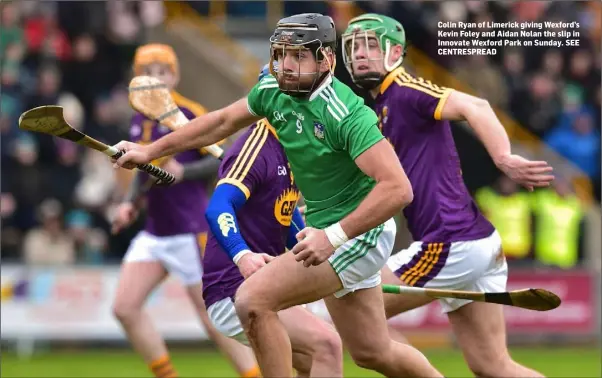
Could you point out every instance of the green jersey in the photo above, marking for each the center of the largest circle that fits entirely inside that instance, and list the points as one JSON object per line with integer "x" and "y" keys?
{"x": 322, "y": 136}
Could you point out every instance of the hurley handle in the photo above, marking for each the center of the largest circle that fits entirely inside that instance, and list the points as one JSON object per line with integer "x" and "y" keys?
{"x": 164, "y": 178}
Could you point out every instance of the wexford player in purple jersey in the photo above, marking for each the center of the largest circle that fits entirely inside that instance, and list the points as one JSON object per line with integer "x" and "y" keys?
{"x": 253, "y": 218}
{"x": 352, "y": 183}
{"x": 455, "y": 246}
{"x": 175, "y": 233}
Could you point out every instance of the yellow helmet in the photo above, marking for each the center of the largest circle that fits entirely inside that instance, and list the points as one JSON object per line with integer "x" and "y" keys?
{"x": 155, "y": 53}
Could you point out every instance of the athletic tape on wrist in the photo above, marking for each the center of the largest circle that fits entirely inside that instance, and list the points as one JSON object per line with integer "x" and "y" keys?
{"x": 239, "y": 255}
{"x": 336, "y": 235}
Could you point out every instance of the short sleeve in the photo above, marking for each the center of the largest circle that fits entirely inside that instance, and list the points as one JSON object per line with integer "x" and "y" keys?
{"x": 257, "y": 98}
{"x": 246, "y": 169}
{"x": 358, "y": 132}
{"x": 426, "y": 98}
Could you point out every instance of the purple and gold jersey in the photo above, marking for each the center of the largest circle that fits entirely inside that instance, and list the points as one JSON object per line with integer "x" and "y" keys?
{"x": 257, "y": 165}
{"x": 180, "y": 208}
{"x": 409, "y": 111}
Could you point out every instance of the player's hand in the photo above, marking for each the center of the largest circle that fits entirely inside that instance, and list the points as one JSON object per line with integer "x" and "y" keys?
{"x": 175, "y": 168}
{"x": 313, "y": 247}
{"x": 252, "y": 262}
{"x": 125, "y": 215}
{"x": 134, "y": 154}
{"x": 530, "y": 174}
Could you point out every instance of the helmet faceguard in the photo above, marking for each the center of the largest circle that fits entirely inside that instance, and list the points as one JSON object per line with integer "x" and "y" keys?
{"x": 311, "y": 32}
{"x": 384, "y": 31}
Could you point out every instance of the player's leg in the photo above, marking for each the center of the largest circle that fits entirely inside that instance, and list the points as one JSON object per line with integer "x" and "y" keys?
{"x": 258, "y": 299}
{"x": 184, "y": 262}
{"x": 480, "y": 328}
{"x": 314, "y": 342}
{"x": 360, "y": 320}
{"x": 314, "y": 337}
{"x": 396, "y": 304}
{"x": 481, "y": 334}
{"x": 140, "y": 274}
{"x": 239, "y": 355}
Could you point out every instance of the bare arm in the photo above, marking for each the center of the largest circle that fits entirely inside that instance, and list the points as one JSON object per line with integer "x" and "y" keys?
{"x": 482, "y": 119}
{"x": 392, "y": 192}
{"x": 205, "y": 130}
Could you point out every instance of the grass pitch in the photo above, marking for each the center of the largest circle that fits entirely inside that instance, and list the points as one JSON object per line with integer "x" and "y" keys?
{"x": 552, "y": 362}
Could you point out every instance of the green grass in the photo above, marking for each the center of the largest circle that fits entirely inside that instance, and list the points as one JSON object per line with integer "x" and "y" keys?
{"x": 561, "y": 362}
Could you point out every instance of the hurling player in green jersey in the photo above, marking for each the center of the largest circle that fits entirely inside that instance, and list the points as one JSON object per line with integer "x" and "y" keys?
{"x": 352, "y": 183}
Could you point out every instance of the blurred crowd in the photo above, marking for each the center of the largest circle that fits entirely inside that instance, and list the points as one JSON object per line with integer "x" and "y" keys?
{"x": 57, "y": 198}
{"x": 553, "y": 92}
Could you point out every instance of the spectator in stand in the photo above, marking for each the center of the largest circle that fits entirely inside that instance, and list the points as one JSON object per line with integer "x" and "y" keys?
{"x": 558, "y": 225}
{"x": 509, "y": 210}
{"x": 489, "y": 83}
{"x": 11, "y": 30}
{"x": 90, "y": 243}
{"x": 49, "y": 244}
{"x": 514, "y": 72}
{"x": 25, "y": 178}
{"x": 45, "y": 39}
{"x": 580, "y": 144}
{"x": 537, "y": 108}
{"x": 553, "y": 64}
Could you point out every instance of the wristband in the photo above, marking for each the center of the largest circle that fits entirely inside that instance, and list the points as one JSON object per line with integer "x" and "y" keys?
{"x": 239, "y": 255}
{"x": 336, "y": 235}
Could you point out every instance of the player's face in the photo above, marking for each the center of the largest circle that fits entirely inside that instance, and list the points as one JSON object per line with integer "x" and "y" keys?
{"x": 298, "y": 69}
{"x": 162, "y": 72}
{"x": 366, "y": 55}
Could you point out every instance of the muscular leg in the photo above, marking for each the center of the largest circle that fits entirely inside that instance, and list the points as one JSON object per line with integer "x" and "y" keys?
{"x": 136, "y": 281}
{"x": 481, "y": 334}
{"x": 258, "y": 300}
{"x": 239, "y": 355}
{"x": 361, "y": 322}
{"x": 314, "y": 337}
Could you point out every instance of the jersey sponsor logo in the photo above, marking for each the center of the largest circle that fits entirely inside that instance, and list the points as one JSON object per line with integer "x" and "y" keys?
{"x": 279, "y": 116}
{"x": 318, "y": 130}
{"x": 226, "y": 223}
{"x": 285, "y": 205}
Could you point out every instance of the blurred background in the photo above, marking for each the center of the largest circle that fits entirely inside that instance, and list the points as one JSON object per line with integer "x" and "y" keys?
{"x": 60, "y": 263}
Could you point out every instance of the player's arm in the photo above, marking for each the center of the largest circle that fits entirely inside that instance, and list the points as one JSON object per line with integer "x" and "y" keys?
{"x": 204, "y": 130}
{"x": 391, "y": 193}
{"x": 200, "y": 170}
{"x": 480, "y": 116}
{"x": 226, "y": 200}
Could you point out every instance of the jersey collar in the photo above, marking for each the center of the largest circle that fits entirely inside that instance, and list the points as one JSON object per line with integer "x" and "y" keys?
{"x": 322, "y": 87}
{"x": 390, "y": 78}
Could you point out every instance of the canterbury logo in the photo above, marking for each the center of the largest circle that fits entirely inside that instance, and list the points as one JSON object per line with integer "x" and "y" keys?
{"x": 226, "y": 223}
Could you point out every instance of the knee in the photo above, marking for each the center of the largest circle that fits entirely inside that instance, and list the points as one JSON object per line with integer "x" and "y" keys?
{"x": 368, "y": 357}
{"x": 489, "y": 366}
{"x": 125, "y": 312}
{"x": 327, "y": 345}
{"x": 249, "y": 303}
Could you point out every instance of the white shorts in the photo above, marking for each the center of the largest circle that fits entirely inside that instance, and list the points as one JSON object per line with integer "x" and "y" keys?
{"x": 358, "y": 262}
{"x": 476, "y": 265}
{"x": 179, "y": 254}
{"x": 222, "y": 315}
